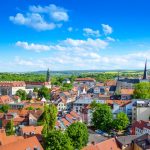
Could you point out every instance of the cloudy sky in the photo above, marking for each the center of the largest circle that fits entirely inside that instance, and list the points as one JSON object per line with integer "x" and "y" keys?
{"x": 74, "y": 34}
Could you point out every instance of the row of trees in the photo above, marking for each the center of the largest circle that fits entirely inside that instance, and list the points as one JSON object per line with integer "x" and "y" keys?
{"x": 75, "y": 136}
{"x": 103, "y": 118}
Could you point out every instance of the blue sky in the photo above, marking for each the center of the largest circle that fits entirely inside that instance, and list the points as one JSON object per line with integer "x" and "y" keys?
{"x": 74, "y": 34}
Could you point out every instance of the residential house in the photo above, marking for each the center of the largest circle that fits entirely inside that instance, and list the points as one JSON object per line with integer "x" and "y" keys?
{"x": 141, "y": 110}
{"x": 140, "y": 127}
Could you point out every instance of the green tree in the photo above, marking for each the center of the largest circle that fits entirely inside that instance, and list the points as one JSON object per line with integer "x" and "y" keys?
{"x": 10, "y": 128}
{"x": 49, "y": 118}
{"x": 4, "y": 108}
{"x": 57, "y": 140}
{"x": 142, "y": 90}
{"x": 44, "y": 92}
{"x": 22, "y": 94}
{"x": 35, "y": 89}
{"x": 121, "y": 121}
{"x": 102, "y": 117}
{"x": 78, "y": 133}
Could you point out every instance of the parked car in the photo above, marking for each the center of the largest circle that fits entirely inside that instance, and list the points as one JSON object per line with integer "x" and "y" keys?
{"x": 99, "y": 132}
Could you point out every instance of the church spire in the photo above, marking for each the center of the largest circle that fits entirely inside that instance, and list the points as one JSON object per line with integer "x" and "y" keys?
{"x": 145, "y": 71}
{"x": 48, "y": 76}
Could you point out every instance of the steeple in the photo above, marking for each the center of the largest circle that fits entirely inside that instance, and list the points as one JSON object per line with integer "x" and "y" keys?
{"x": 48, "y": 75}
{"x": 145, "y": 71}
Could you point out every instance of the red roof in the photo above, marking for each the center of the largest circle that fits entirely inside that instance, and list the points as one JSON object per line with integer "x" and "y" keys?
{"x": 12, "y": 83}
{"x": 23, "y": 144}
{"x": 65, "y": 122}
{"x": 85, "y": 79}
{"x": 141, "y": 124}
{"x": 109, "y": 144}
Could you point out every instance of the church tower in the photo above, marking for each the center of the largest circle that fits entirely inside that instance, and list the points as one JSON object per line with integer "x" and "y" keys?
{"x": 48, "y": 76}
{"x": 145, "y": 71}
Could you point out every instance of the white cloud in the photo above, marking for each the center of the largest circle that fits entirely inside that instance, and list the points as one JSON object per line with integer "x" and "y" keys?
{"x": 110, "y": 39}
{"x": 107, "y": 29}
{"x": 90, "y": 32}
{"x": 32, "y": 46}
{"x": 57, "y": 13}
{"x": 35, "y": 18}
{"x": 67, "y": 45}
{"x": 70, "y": 29}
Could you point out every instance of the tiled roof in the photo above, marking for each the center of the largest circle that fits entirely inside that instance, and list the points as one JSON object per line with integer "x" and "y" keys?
{"x": 109, "y": 144}
{"x": 24, "y": 144}
{"x": 141, "y": 124}
{"x": 29, "y": 129}
{"x": 74, "y": 114}
{"x": 85, "y": 79}
{"x": 8, "y": 139}
{"x": 127, "y": 91}
{"x": 119, "y": 102}
{"x": 110, "y": 82}
{"x": 65, "y": 122}
{"x": 12, "y": 83}
{"x": 5, "y": 99}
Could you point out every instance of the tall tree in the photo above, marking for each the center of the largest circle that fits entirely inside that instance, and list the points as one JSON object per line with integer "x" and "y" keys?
{"x": 44, "y": 92}
{"x": 57, "y": 140}
{"x": 78, "y": 133}
{"x": 142, "y": 90}
{"x": 22, "y": 94}
{"x": 102, "y": 117}
{"x": 10, "y": 128}
{"x": 121, "y": 121}
{"x": 49, "y": 118}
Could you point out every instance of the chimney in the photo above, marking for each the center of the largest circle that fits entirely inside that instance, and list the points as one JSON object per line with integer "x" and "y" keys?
{"x": 93, "y": 143}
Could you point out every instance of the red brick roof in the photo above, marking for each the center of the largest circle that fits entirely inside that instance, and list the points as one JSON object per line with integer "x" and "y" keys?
{"x": 109, "y": 144}
{"x": 65, "y": 122}
{"x": 119, "y": 102}
{"x": 5, "y": 99}
{"x": 110, "y": 82}
{"x": 127, "y": 91}
{"x": 141, "y": 124}
{"x": 23, "y": 144}
{"x": 12, "y": 83}
{"x": 35, "y": 129}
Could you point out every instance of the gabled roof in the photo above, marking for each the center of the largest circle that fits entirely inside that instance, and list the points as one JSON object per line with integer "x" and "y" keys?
{"x": 35, "y": 129}
{"x": 23, "y": 144}
{"x": 109, "y": 144}
{"x": 127, "y": 91}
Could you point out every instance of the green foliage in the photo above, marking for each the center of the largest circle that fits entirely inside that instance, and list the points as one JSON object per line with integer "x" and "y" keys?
{"x": 102, "y": 117}
{"x": 22, "y": 94}
{"x": 121, "y": 121}
{"x": 66, "y": 87}
{"x": 78, "y": 134}
{"x": 35, "y": 89}
{"x": 30, "y": 108}
{"x": 57, "y": 140}
{"x": 48, "y": 118}
{"x": 4, "y": 108}
{"x": 10, "y": 128}
{"x": 142, "y": 90}
{"x": 44, "y": 92}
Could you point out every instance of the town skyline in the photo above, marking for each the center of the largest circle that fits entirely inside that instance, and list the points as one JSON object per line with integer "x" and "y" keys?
{"x": 65, "y": 35}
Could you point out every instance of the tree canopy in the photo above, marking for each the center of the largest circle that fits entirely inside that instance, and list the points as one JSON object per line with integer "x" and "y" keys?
{"x": 78, "y": 133}
{"x": 121, "y": 121}
{"x": 4, "y": 108}
{"x": 22, "y": 94}
{"x": 44, "y": 92}
{"x": 48, "y": 118}
{"x": 57, "y": 140}
{"x": 142, "y": 90}
{"x": 102, "y": 116}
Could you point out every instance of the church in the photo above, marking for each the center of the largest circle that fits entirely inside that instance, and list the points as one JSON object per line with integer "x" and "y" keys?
{"x": 11, "y": 87}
